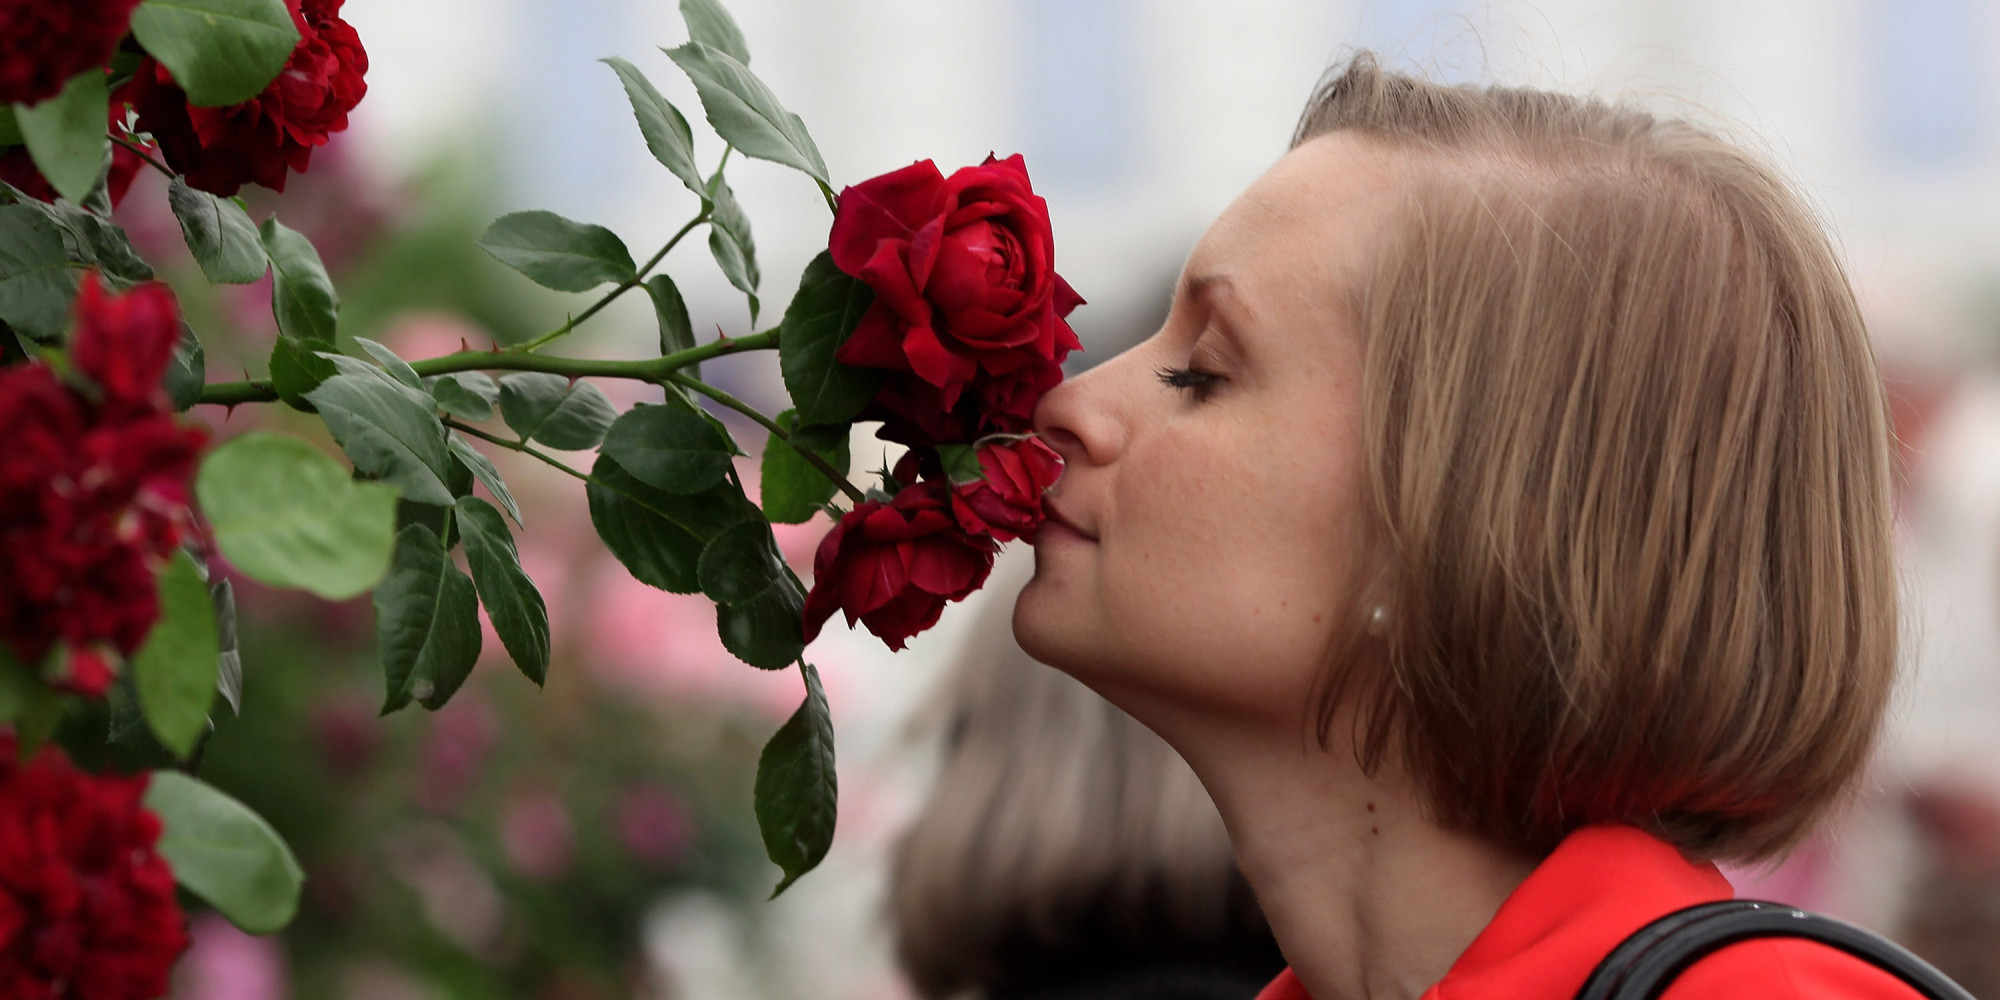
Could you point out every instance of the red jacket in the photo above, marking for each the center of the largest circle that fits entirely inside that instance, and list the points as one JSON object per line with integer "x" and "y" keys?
{"x": 1601, "y": 884}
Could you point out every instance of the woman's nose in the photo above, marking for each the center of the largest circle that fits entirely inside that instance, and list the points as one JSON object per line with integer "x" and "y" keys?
{"x": 1078, "y": 419}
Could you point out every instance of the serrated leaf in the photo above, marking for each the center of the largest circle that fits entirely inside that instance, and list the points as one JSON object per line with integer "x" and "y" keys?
{"x": 765, "y": 630}
{"x": 512, "y": 603}
{"x": 229, "y": 658}
{"x": 667, "y": 133}
{"x": 65, "y": 134}
{"x": 741, "y": 562}
{"x": 397, "y": 368}
{"x": 174, "y": 670}
{"x": 221, "y": 52}
{"x": 289, "y": 516}
{"x": 797, "y": 792}
{"x": 36, "y": 283}
{"x": 302, "y": 296}
{"x": 730, "y": 244}
{"x": 631, "y": 518}
{"x": 668, "y": 448}
{"x": 483, "y": 470}
{"x": 466, "y": 395}
{"x": 426, "y": 622}
{"x": 389, "y": 432}
{"x": 793, "y": 489}
{"x": 711, "y": 25}
{"x": 186, "y": 372}
{"x": 745, "y": 113}
{"x": 297, "y": 369}
{"x": 224, "y": 853}
{"x": 88, "y": 238}
{"x": 676, "y": 330}
{"x": 565, "y": 415}
{"x": 557, "y": 253}
{"x": 219, "y": 234}
{"x": 961, "y": 463}
{"x": 827, "y": 307}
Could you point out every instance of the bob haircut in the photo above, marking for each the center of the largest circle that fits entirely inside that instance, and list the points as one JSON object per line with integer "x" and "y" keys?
{"x": 1630, "y": 467}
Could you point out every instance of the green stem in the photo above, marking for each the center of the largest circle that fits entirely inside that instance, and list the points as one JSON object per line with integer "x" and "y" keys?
{"x": 647, "y": 370}
{"x": 826, "y": 469}
{"x": 520, "y": 446}
{"x": 141, "y": 151}
{"x": 622, "y": 287}
{"x": 827, "y": 193}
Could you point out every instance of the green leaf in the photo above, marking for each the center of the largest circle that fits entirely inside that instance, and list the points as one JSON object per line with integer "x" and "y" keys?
{"x": 667, "y": 133}
{"x": 65, "y": 134}
{"x": 765, "y": 631}
{"x": 745, "y": 113}
{"x": 676, "y": 330}
{"x": 631, "y": 518}
{"x": 389, "y": 432}
{"x": 427, "y": 622}
{"x": 220, "y": 235}
{"x": 88, "y": 238}
{"x": 36, "y": 283}
{"x": 289, "y": 516}
{"x": 557, "y": 253}
{"x": 797, "y": 792}
{"x": 729, "y": 241}
{"x": 483, "y": 470}
{"x": 511, "y": 600}
{"x": 10, "y": 128}
{"x": 828, "y": 306}
{"x": 175, "y": 669}
{"x": 225, "y": 854}
{"x": 220, "y": 52}
{"x": 668, "y": 448}
{"x": 302, "y": 296}
{"x": 793, "y": 489}
{"x": 229, "y": 658}
{"x": 31, "y": 705}
{"x": 961, "y": 463}
{"x": 467, "y": 395}
{"x": 186, "y": 372}
{"x": 563, "y": 414}
{"x": 397, "y": 368}
{"x": 297, "y": 369}
{"x": 709, "y": 24}
{"x": 741, "y": 562}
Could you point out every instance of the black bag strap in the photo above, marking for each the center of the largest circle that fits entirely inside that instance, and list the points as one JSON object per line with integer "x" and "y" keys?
{"x": 1645, "y": 964}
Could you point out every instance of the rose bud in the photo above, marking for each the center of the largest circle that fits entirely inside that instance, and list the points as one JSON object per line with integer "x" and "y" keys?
{"x": 894, "y": 565}
{"x": 1006, "y": 502}
{"x": 124, "y": 342}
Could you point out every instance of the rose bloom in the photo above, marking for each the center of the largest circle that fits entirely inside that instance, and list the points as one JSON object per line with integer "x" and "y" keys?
{"x": 221, "y": 149}
{"x": 1007, "y": 502}
{"x": 965, "y": 289}
{"x": 894, "y": 565}
{"x": 43, "y": 43}
{"x": 93, "y": 491}
{"x": 87, "y": 905}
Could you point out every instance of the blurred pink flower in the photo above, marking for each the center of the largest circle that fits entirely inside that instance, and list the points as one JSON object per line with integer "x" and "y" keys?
{"x": 224, "y": 963}
{"x": 346, "y": 732}
{"x": 461, "y": 736}
{"x": 654, "y": 825}
{"x": 666, "y": 644}
{"x": 429, "y": 334}
{"x": 536, "y": 833}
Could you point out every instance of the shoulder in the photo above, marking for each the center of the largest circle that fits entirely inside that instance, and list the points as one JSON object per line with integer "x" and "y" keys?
{"x": 1785, "y": 969}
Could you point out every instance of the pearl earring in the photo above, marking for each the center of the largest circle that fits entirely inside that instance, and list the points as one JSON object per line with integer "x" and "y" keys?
{"x": 1378, "y": 620}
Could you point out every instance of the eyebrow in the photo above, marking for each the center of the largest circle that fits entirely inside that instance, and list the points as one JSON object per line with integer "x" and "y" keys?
{"x": 1202, "y": 289}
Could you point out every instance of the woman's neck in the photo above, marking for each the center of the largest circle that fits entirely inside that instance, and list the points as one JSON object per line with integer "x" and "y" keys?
{"x": 1368, "y": 898}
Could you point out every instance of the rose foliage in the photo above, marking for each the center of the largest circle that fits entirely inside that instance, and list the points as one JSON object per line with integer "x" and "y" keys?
{"x": 935, "y": 310}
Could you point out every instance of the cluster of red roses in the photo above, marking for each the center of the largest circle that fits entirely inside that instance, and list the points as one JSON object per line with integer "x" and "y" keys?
{"x": 93, "y": 487}
{"x": 968, "y": 321}
{"x": 45, "y": 42}
{"x": 88, "y": 908}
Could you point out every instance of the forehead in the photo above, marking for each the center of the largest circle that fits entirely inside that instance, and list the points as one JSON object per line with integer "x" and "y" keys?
{"x": 1304, "y": 230}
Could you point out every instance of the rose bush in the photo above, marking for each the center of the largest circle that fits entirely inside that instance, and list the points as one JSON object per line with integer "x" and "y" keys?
{"x": 87, "y": 906}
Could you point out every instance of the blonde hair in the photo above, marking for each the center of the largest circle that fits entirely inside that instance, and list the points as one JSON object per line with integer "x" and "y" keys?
{"x": 1057, "y": 822}
{"x": 1629, "y": 458}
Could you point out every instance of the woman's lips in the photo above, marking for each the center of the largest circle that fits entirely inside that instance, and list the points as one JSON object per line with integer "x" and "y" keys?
{"x": 1054, "y": 518}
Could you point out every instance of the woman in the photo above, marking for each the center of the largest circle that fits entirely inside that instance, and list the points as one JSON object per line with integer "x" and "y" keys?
{"x": 1066, "y": 852}
{"x": 1500, "y": 527}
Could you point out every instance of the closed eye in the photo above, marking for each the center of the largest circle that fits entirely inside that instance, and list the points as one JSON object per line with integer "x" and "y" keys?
{"x": 1195, "y": 381}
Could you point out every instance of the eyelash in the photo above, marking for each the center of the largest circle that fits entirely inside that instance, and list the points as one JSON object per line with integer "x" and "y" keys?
{"x": 1198, "y": 382}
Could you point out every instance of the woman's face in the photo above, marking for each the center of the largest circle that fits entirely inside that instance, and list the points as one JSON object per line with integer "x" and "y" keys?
{"x": 1213, "y": 525}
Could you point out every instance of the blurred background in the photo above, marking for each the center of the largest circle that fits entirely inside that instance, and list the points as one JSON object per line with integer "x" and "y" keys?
{"x": 595, "y": 839}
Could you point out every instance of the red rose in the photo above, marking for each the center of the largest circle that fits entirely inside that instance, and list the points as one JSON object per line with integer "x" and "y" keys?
{"x": 893, "y": 566}
{"x": 45, "y": 42}
{"x": 221, "y": 149}
{"x": 963, "y": 273}
{"x": 1007, "y": 503}
{"x": 913, "y": 411}
{"x": 87, "y": 905}
{"x": 93, "y": 491}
